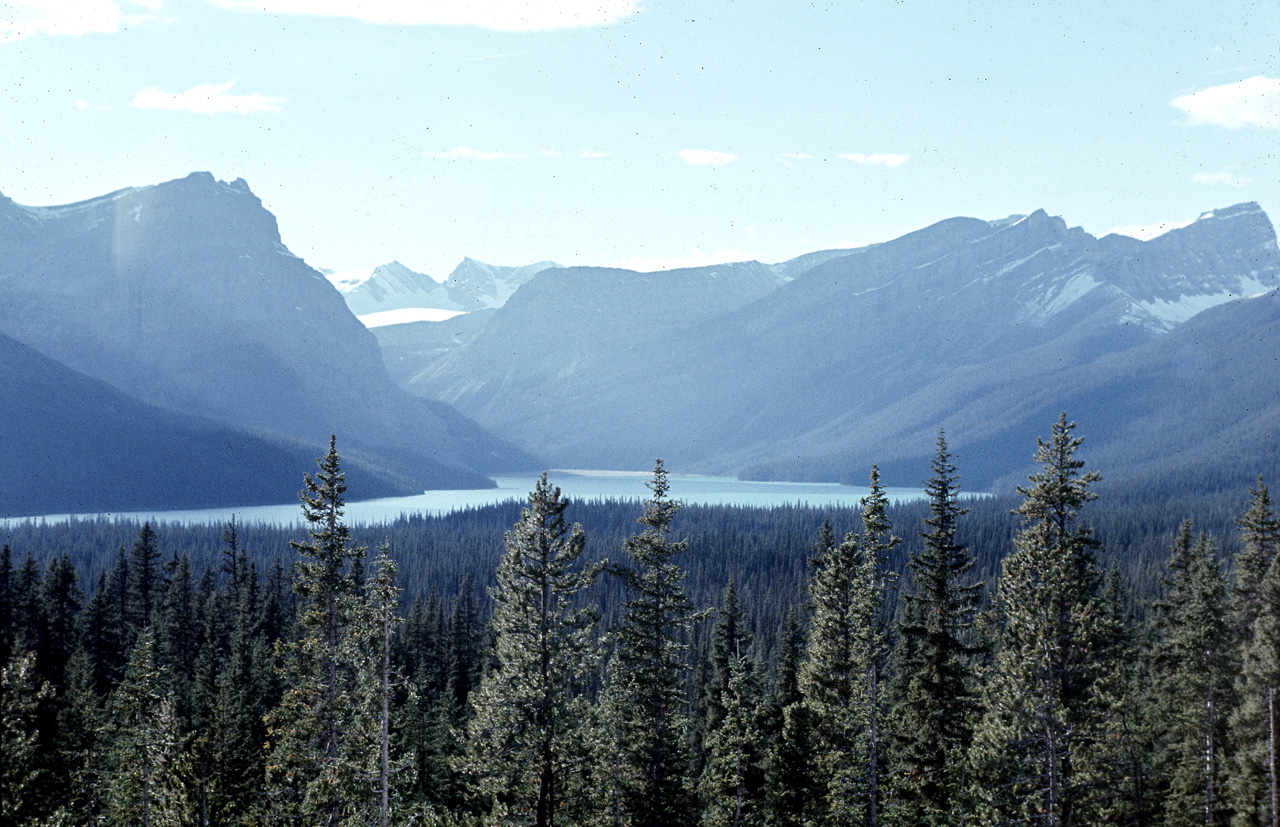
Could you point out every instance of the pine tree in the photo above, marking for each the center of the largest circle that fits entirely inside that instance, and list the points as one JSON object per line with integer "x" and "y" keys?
{"x": 652, "y": 731}
{"x": 840, "y": 677}
{"x": 1037, "y": 700}
{"x": 1116, "y": 769}
{"x": 1255, "y": 723}
{"x": 730, "y": 784}
{"x": 786, "y": 727}
{"x": 1195, "y": 692}
{"x": 730, "y": 640}
{"x": 307, "y": 764}
{"x": 934, "y": 686}
{"x": 1259, "y": 545}
{"x": 21, "y": 692}
{"x": 150, "y": 779}
{"x": 1255, "y": 624}
{"x": 525, "y": 712}
{"x": 145, "y": 580}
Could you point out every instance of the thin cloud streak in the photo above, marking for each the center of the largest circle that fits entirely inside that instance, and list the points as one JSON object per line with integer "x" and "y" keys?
{"x": 467, "y": 153}
{"x": 206, "y": 99}
{"x": 500, "y": 15}
{"x": 1225, "y": 179}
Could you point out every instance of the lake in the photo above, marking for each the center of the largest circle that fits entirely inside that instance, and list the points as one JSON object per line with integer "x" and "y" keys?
{"x": 587, "y": 485}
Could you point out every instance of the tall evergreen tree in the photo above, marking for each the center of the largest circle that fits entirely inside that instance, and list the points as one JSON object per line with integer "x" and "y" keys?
{"x": 934, "y": 688}
{"x": 1195, "y": 693}
{"x": 650, "y": 650}
{"x": 21, "y": 692}
{"x": 308, "y": 763}
{"x": 145, "y": 578}
{"x": 150, "y": 777}
{"x": 1259, "y": 544}
{"x": 730, "y": 785}
{"x": 526, "y": 716}
{"x": 1037, "y": 701}
{"x": 840, "y": 677}
{"x": 1255, "y": 723}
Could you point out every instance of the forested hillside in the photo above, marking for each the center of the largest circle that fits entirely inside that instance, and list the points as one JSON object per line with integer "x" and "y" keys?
{"x": 1081, "y": 653}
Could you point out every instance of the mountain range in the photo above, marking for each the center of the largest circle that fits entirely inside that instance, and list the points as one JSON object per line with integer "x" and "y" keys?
{"x": 163, "y": 348}
{"x": 986, "y": 329}
{"x": 183, "y": 296}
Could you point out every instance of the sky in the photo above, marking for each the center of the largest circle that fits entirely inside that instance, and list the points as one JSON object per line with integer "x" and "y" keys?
{"x": 645, "y": 133}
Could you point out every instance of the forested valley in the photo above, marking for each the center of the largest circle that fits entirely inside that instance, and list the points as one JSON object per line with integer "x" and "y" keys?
{"x": 1077, "y": 654}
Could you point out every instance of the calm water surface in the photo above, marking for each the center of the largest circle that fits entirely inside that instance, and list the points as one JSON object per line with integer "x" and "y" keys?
{"x": 586, "y": 485}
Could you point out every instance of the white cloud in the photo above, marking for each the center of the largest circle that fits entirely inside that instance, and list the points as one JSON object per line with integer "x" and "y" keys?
{"x": 707, "y": 157}
{"x": 502, "y": 15}
{"x": 23, "y": 18}
{"x": 696, "y": 258}
{"x": 1254, "y": 101}
{"x": 206, "y": 99}
{"x": 883, "y": 159}
{"x": 467, "y": 153}
{"x": 1146, "y": 232}
{"x": 790, "y": 158}
{"x": 1225, "y": 179}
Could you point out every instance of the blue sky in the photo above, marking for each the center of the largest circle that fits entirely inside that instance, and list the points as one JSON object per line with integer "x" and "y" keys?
{"x": 645, "y": 132}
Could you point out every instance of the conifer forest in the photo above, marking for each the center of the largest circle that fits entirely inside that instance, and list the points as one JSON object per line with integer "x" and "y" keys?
{"x": 1072, "y": 655}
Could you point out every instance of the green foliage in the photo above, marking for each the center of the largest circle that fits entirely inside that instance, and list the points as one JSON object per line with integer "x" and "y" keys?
{"x": 1197, "y": 662}
{"x": 309, "y": 768}
{"x": 526, "y": 722}
{"x": 934, "y": 683}
{"x": 652, "y": 731}
{"x": 1038, "y": 706}
{"x": 20, "y": 696}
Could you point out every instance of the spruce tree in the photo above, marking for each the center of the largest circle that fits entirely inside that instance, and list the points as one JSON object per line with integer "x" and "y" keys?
{"x": 526, "y": 715}
{"x": 729, "y": 788}
{"x": 145, "y": 580}
{"x": 1037, "y": 700}
{"x": 1195, "y": 691}
{"x": 934, "y": 688}
{"x": 840, "y": 676}
{"x": 1259, "y": 544}
{"x": 1255, "y": 723}
{"x": 149, "y": 783}
{"x": 21, "y": 692}
{"x": 650, "y": 648}
{"x": 308, "y": 765}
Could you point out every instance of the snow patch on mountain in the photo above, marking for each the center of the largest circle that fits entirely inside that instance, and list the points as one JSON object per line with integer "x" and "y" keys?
{"x": 1169, "y": 313}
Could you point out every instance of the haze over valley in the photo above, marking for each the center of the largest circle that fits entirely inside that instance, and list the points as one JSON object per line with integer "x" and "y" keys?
{"x": 166, "y": 340}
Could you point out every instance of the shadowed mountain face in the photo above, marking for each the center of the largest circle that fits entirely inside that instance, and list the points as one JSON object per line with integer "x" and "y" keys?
{"x": 71, "y": 444}
{"x": 182, "y": 295}
{"x": 984, "y": 328}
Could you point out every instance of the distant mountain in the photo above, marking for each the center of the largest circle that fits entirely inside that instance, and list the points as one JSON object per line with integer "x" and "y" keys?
{"x": 183, "y": 296}
{"x": 473, "y": 285}
{"x": 71, "y": 444}
{"x": 390, "y": 287}
{"x": 981, "y": 327}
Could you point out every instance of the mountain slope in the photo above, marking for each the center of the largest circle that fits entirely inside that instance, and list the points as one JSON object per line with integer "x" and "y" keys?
{"x": 71, "y": 444}
{"x": 182, "y": 295}
{"x": 857, "y": 360}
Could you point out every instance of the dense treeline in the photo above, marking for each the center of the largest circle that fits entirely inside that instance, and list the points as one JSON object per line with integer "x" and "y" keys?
{"x": 1049, "y": 658}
